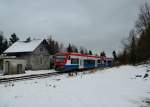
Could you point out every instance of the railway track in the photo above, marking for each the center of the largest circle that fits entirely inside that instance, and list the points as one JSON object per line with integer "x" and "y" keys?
{"x": 28, "y": 77}
{"x": 34, "y": 76}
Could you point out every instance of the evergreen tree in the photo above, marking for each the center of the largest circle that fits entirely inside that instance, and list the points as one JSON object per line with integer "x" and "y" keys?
{"x": 85, "y": 51}
{"x": 114, "y": 55}
{"x": 102, "y": 54}
{"x": 28, "y": 39}
{"x": 69, "y": 48}
{"x": 133, "y": 49}
{"x": 3, "y": 43}
{"x": 61, "y": 47}
{"x": 81, "y": 51}
{"x": 90, "y": 52}
{"x": 56, "y": 47}
{"x": 76, "y": 50}
{"x": 13, "y": 38}
{"x": 53, "y": 46}
{"x": 125, "y": 57}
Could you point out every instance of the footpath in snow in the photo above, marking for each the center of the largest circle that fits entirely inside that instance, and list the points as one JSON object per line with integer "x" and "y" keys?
{"x": 115, "y": 87}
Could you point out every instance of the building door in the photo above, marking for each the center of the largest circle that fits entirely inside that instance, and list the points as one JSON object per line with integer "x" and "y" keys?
{"x": 7, "y": 67}
{"x": 19, "y": 68}
{"x": 1, "y": 64}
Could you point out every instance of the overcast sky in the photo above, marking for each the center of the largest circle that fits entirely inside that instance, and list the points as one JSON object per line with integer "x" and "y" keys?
{"x": 94, "y": 24}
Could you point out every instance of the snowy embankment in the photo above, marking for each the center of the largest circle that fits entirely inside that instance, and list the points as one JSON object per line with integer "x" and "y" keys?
{"x": 114, "y": 87}
{"x": 27, "y": 73}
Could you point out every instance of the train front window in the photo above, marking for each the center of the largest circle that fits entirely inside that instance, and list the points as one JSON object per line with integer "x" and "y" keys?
{"x": 60, "y": 58}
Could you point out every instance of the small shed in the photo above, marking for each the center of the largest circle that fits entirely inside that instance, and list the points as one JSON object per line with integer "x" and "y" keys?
{"x": 12, "y": 65}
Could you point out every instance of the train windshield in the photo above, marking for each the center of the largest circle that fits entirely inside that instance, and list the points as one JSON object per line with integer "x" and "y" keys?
{"x": 60, "y": 58}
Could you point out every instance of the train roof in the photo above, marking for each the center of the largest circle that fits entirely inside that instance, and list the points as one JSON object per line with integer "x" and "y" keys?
{"x": 84, "y": 55}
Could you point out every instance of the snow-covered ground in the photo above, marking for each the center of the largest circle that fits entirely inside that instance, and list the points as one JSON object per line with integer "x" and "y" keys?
{"x": 114, "y": 87}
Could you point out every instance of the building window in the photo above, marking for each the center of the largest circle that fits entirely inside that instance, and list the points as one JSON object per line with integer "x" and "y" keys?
{"x": 41, "y": 49}
{"x": 41, "y": 60}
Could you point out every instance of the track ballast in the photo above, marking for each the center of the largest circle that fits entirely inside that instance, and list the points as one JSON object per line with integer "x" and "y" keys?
{"x": 28, "y": 77}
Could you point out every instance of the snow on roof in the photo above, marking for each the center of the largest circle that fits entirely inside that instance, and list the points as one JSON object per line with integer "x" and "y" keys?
{"x": 22, "y": 46}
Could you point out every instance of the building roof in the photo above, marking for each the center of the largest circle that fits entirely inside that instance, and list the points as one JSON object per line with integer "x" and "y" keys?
{"x": 22, "y": 46}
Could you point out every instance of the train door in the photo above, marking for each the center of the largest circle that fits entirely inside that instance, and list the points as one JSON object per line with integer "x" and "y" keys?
{"x": 96, "y": 64}
{"x": 81, "y": 63}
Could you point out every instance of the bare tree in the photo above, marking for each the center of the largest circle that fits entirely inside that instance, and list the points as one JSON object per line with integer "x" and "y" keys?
{"x": 143, "y": 22}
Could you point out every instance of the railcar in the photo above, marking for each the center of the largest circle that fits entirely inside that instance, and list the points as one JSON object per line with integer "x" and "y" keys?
{"x": 65, "y": 61}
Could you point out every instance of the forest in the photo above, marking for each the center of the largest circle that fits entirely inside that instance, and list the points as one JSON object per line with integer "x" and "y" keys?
{"x": 137, "y": 45}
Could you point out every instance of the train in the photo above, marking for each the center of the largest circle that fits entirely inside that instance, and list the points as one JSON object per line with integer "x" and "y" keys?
{"x": 66, "y": 61}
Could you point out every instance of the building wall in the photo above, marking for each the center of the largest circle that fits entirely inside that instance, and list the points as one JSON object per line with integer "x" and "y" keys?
{"x": 13, "y": 63}
{"x": 39, "y": 59}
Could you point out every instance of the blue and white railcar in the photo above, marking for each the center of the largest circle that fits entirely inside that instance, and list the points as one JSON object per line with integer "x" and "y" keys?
{"x": 75, "y": 61}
